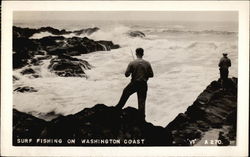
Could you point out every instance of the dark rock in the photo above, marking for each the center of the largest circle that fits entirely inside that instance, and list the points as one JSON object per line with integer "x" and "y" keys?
{"x": 66, "y": 66}
{"x": 25, "y": 89}
{"x": 98, "y": 122}
{"x": 108, "y": 44}
{"x": 180, "y": 119}
{"x": 216, "y": 84}
{"x": 28, "y": 71}
{"x": 23, "y": 32}
{"x": 40, "y": 52}
{"x": 50, "y": 40}
{"x": 224, "y": 140}
{"x": 26, "y": 126}
{"x": 87, "y": 31}
{"x": 35, "y": 61}
{"x": 35, "y": 76}
{"x": 25, "y": 49}
{"x": 53, "y": 31}
{"x": 137, "y": 34}
{"x": 15, "y": 78}
{"x": 77, "y": 46}
{"x": 213, "y": 109}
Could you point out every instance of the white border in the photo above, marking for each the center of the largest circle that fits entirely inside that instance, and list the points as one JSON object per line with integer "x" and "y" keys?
{"x": 6, "y": 80}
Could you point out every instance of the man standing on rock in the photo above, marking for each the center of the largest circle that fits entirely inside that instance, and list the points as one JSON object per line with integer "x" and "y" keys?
{"x": 224, "y": 64}
{"x": 140, "y": 71}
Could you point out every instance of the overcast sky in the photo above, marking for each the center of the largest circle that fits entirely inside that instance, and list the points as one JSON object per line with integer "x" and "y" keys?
{"x": 128, "y": 15}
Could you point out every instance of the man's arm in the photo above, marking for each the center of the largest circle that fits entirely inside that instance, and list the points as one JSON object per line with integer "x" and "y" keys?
{"x": 220, "y": 62}
{"x": 129, "y": 70}
{"x": 229, "y": 62}
{"x": 150, "y": 71}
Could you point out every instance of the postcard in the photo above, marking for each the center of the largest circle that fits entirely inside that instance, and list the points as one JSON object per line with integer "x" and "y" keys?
{"x": 124, "y": 78}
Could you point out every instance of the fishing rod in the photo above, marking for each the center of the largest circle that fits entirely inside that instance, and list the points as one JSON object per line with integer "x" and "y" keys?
{"x": 132, "y": 54}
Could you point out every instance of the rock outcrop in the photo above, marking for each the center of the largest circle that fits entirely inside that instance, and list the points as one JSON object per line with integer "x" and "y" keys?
{"x": 136, "y": 34}
{"x": 214, "y": 109}
{"x": 66, "y": 66}
{"x": 99, "y": 122}
{"x": 25, "y": 89}
{"x": 28, "y": 32}
{"x": 87, "y": 31}
{"x": 24, "y": 48}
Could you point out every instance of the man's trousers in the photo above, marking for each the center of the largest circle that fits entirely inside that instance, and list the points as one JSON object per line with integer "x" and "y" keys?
{"x": 141, "y": 88}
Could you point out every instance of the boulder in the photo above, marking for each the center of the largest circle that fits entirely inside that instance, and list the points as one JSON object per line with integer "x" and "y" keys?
{"x": 108, "y": 45}
{"x": 136, "y": 34}
{"x": 87, "y": 31}
{"x": 28, "y": 71}
{"x": 25, "y": 89}
{"x": 66, "y": 66}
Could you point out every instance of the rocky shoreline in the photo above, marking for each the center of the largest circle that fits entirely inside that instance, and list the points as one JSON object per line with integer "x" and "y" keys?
{"x": 214, "y": 111}
{"x": 26, "y": 49}
{"x": 210, "y": 120}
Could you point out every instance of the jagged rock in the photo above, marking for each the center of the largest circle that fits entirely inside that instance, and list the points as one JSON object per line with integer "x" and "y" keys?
{"x": 224, "y": 140}
{"x": 50, "y": 41}
{"x": 25, "y": 89}
{"x": 28, "y": 32}
{"x": 78, "y": 46}
{"x": 98, "y": 122}
{"x": 87, "y": 31}
{"x": 213, "y": 109}
{"x": 108, "y": 44}
{"x": 28, "y": 71}
{"x": 53, "y": 30}
{"x": 137, "y": 34}
{"x": 25, "y": 49}
{"x": 66, "y": 66}
{"x": 26, "y": 126}
{"x": 15, "y": 78}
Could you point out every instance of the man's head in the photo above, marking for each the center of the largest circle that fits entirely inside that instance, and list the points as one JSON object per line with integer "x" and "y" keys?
{"x": 139, "y": 52}
{"x": 224, "y": 54}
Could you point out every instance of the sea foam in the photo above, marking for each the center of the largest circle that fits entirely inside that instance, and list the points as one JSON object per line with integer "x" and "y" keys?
{"x": 182, "y": 68}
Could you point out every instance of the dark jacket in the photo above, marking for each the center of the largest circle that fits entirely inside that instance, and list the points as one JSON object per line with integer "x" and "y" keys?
{"x": 224, "y": 63}
{"x": 140, "y": 69}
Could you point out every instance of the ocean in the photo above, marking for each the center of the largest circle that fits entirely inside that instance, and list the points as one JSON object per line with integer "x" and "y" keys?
{"x": 184, "y": 57}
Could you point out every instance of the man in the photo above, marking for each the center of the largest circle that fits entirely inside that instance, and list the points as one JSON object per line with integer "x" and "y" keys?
{"x": 224, "y": 64}
{"x": 140, "y": 70}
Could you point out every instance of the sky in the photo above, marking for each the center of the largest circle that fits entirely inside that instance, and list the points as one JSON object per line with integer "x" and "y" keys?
{"x": 128, "y": 15}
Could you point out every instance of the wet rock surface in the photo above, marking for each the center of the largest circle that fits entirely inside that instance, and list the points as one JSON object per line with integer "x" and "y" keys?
{"x": 28, "y": 32}
{"x": 137, "y": 34}
{"x": 213, "y": 109}
{"x": 25, "y": 89}
{"x": 25, "y": 48}
{"x": 217, "y": 112}
{"x": 28, "y": 71}
{"x": 66, "y": 66}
